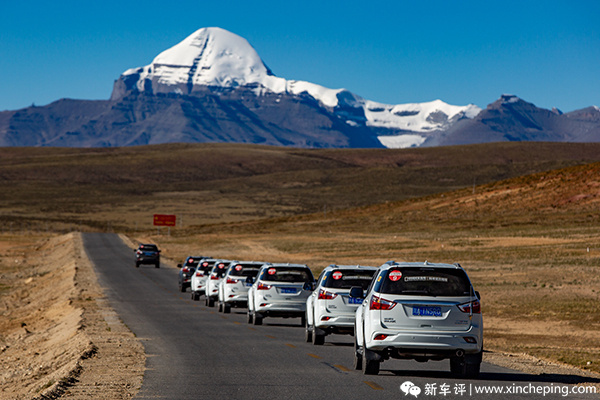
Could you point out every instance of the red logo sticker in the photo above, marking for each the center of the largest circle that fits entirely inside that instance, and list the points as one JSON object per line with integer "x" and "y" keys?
{"x": 271, "y": 271}
{"x": 395, "y": 276}
{"x": 337, "y": 275}
{"x": 238, "y": 268}
{"x": 205, "y": 264}
{"x": 221, "y": 266}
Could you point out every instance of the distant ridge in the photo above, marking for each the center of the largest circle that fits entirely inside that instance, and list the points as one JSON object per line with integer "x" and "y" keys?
{"x": 214, "y": 87}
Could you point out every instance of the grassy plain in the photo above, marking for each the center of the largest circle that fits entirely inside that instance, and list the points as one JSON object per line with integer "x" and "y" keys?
{"x": 522, "y": 218}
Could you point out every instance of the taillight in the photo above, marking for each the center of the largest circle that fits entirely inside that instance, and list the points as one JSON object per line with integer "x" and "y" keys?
{"x": 466, "y": 307}
{"x": 325, "y": 295}
{"x": 229, "y": 280}
{"x": 381, "y": 336}
{"x": 377, "y": 303}
{"x": 262, "y": 286}
{"x": 214, "y": 278}
{"x": 198, "y": 273}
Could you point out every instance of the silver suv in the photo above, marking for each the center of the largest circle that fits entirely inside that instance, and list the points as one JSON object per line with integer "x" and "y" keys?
{"x": 280, "y": 290}
{"x": 419, "y": 311}
{"x": 330, "y": 308}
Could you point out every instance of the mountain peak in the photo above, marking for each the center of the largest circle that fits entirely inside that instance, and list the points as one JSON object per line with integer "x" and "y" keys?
{"x": 208, "y": 57}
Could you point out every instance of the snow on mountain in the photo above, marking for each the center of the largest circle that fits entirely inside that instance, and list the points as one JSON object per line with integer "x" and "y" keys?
{"x": 217, "y": 58}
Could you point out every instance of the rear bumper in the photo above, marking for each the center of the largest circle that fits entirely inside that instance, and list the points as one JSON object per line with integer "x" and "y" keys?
{"x": 430, "y": 344}
{"x": 288, "y": 309}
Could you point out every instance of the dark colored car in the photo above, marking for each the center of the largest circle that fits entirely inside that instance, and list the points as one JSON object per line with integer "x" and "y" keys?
{"x": 147, "y": 254}
{"x": 186, "y": 270}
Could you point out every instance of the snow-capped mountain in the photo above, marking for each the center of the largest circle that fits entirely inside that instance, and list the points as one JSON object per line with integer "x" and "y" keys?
{"x": 214, "y": 87}
{"x": 218, "y": 59}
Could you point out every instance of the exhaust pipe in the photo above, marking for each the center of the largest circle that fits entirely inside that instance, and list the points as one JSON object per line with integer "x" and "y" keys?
{"x": 460, "y": 353}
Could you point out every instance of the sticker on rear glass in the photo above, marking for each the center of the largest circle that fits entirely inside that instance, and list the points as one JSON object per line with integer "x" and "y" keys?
{"x": 205, "y": 264}
{"x": 395, "y": 276}
{"x": 221, "y": 265}
{"x": 271, "y": 271}
{"x": 337, "y": 275}
{"x": 425, "y": 279}
{"x": 238, "y": 268}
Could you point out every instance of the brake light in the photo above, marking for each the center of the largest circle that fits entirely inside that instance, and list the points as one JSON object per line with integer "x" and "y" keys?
{"x": 381, "y": 336}
{"x": 199, "y": 274}
{"x": 214, "y": 278}
{"x": 325, "y": 295}
{"x": 377, "y": 303}
{"x": 262, "y": 286}
{"x": 186, "y": 269}
{"x": 325, "y": 318}
{"x": 229, "y": 280}
{"x": 466, "y": 307}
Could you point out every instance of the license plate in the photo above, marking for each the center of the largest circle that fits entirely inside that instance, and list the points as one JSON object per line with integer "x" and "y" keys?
{"x": 354, "y": 300}
{"x": 248, "y": 284}
{"x": 427, "y": 311}
{"x": 288, "y": 290}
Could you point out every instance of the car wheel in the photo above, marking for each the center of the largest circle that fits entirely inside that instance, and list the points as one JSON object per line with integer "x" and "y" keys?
{"x": 226, "y": 308}
{"x": 357, "y": 365}
{"x": 249, "y": 318}
{"x": 317, "y": 338}
{"x": 211, "y": 302}
{"x": 307, "y": 331}
{"x": 303, "y": 320}
{"x": 468, "y": 366}
{"x": 137, "y": 265}
{"x": 157, "y": 265}
{"x": 182, "y": 288}
{"x": 369, "y": 367}
{"x": 258, "y": 319}
{"x": 219, "y": 306}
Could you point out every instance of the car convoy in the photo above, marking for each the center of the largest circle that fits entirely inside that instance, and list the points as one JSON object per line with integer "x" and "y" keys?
{"x": 403, "y": 310}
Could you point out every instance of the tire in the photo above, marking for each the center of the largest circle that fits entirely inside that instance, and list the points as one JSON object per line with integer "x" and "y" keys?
{"x": 466, "y": 367}
{"x": 369, "y": 367}
{"x": 307, "y": 331}
{"x": 358, "y": 359}
{"x": 182, "y": 288}
{"x": 137, "y": 265}
{"x": 210, "y": 302}
{"x": 226, "y": 308}
{"x": 157, "y": 265}
{"x": 303, "y": 320}
{"x": 258, "y": 319}
{"x": 249, "y": 318}
{"x": 317, "y": 338}
{"x": 206, "y": 301}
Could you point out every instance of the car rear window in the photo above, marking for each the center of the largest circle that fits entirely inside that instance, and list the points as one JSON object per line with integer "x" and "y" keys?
{"x": 192, "y": 262}
{"x": 425, "y": 282}
{"x": 345, "y": 279}
{"x": 219, "y": 269}
{"x": 286, "y": 274}
{"x": 206, "y": 266}
{"x": 244, "y": 270}
{"x": 148, "y": 247}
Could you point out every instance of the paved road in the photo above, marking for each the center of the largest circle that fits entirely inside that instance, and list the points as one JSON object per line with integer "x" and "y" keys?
{"x": 194, "y": 352}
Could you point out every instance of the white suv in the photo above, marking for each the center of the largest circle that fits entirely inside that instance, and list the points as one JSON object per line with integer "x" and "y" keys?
{"x": 280, "y": 290}
{"x": 200, "y": 276}
{"x": 233, "y": 289}
{"x": 419, "y": 311}
{"x": 330, "y": 308}
{"x": 217, "y": 273}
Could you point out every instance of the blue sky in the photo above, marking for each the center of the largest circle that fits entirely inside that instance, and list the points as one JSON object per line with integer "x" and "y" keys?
{"x": 394, "y": 52}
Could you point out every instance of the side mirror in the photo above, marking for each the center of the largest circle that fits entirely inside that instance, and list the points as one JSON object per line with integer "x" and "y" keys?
{"x": 357, "y": 292}
{"x": 179, "y": 265}
{"x": 250, "y": 280}
{"x": 478, "y": 295}
{"x": 308, "y": 286}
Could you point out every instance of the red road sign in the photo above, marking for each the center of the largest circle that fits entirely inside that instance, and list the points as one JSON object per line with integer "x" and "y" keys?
{"x": 164, "y": 220}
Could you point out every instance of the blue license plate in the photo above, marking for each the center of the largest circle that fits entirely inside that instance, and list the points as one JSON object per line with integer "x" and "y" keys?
{"x": 288, "y": 290}
{"x": 354, "y": 300}
{"x": 427, "y": 311}
{"x": 248, "y": 284}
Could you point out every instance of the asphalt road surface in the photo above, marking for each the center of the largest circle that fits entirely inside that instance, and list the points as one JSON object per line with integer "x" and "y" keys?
{"x": 194, "y": 352}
